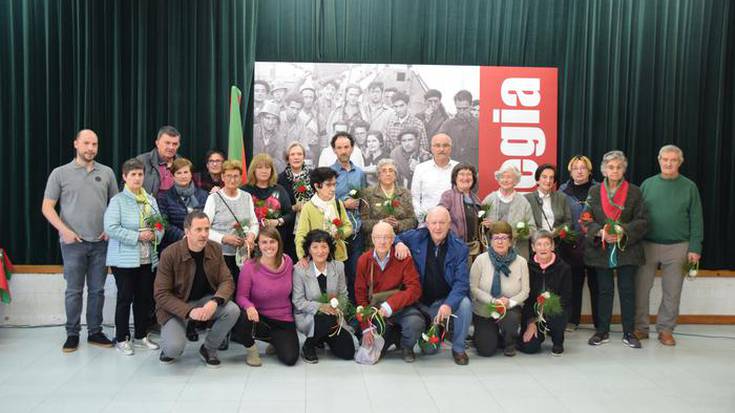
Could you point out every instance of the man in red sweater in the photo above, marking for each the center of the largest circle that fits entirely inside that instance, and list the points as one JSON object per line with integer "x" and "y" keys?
{"x": 384, "y": 272}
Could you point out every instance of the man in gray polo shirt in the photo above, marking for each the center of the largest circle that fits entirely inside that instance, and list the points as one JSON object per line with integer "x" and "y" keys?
{"x": 82, "y": 188}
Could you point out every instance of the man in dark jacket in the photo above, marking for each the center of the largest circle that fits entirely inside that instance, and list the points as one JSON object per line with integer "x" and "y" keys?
{"x": 157, "y": 176}
{"x": 194, "y": 283}
{"x": 464, "y": 130}
{"x": 441, "y": 260}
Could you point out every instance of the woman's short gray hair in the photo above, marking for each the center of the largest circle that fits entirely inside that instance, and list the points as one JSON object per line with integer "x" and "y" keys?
{"x": 542, "y": 233}
{"x": 291, "y": 146}
{"x": 613, "y": 156}
{"x": 386, "y": 162}
{"x": 508, "y": 168}
{"x": 671, "y": 148}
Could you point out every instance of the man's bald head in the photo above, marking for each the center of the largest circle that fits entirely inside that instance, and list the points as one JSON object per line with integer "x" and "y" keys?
{"x": 438, "y": 222}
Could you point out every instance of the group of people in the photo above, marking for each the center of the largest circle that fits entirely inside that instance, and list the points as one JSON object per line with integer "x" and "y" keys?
{"x": 283, "y": 254}
{"x": 378, "y": 118}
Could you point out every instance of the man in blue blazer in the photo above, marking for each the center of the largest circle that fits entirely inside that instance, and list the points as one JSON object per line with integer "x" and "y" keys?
{"x": 441, "y": 260}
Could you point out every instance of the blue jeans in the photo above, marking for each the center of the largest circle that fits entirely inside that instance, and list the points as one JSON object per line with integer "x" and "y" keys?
{"x": 461, "y": 322}
{"x": 84, "y": 261}
{"x": 355, "y": 247}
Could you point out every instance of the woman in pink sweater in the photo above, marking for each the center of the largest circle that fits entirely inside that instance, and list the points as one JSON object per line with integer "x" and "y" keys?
{"x": 264, "y": 295}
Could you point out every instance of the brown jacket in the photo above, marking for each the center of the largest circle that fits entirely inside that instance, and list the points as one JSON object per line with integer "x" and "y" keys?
{"x": 175, "y": 277}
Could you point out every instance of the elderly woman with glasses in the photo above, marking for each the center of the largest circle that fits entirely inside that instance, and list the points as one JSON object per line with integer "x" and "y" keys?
{"x": 617, "y": 223}
{"x": 463, "y": 206}
{"x": 387, "y": 202}
{"x": 507, "y": 205}
{"x": 232, "y": 214}
{"x": 499, "y": 285}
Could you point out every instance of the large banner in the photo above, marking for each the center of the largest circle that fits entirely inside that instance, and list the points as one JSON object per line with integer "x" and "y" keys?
{"x": 494, "y": 115}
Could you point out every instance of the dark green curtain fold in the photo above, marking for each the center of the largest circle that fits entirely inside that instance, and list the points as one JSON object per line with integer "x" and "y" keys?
{"x": 633, "y": 75}
{"x": 121, "y": 68}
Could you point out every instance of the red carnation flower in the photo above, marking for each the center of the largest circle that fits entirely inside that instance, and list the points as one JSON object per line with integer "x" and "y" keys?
{"x": 540, "y": 299}
{"x": 337, "y": 222}
{"x": 434, "y": 340}
{"x": 159, "y": 226}
{"x": 395, "y": 203}
{"x": 500, "y": 310}
{"x": 586, "y": 216}
{"x": 301, "y": 189}
{"x": 563, "y": 233}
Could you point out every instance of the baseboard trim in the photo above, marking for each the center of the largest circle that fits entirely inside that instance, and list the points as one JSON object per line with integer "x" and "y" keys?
{"x": 683, "y": 319}
{"x": 59, "y": 269}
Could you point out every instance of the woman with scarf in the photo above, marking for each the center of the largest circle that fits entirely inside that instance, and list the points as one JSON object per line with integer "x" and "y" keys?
{"x": 131, "y": 254}
{"x": 324, "y": 211}
{"x": 547, "y": 273}
{"x": 175, "y": 204}
{"x": 295, "y": 180}
{"x": 464, "y": 206}
{"x": 498, "y": 287}
{"x": 507, "y": 205}
{"x": 272, "y": 202}
{"x": 616, "y": 225}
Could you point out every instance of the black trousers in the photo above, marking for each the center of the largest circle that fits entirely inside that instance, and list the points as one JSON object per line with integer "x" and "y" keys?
{"x": 556, "y": 326}
{"x": 579, "y": 273}
{"x": 234, "y": 270}
{"x": 134, "y": 287}
{"x": 281, "y": 334}
{"x": 490, "y": 333}
{"x": 341, "y": 344}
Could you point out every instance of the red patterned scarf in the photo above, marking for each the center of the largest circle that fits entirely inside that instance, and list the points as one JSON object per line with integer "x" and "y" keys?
{"x": 612, "y": 203}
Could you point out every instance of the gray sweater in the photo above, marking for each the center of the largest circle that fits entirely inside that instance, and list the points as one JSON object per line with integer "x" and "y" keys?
{"x": 222, "y": 220}
{"x": 520, "y": 210}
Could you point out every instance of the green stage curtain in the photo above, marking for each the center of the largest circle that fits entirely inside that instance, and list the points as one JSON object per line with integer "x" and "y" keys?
{"x": 121, "y": 68}
{"x": 633, "y": 75}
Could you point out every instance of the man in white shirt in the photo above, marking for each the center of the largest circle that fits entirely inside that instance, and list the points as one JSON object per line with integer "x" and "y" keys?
{"x": 433, "y": 177}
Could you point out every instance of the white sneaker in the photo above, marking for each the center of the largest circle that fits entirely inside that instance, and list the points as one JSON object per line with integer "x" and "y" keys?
{"x": 125, "y": 347}
{"x": 146, "y": 343}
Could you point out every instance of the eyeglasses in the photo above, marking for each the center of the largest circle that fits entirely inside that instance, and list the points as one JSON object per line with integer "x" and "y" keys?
{"x": 382, "y": 237}
{"x": 230, "y": 176}
{"x": 499, "y": 238}
{"x": 215, "y": 161}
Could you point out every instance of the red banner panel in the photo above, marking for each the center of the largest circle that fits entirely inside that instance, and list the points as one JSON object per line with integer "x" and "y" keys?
{"x": 517, "y": 122}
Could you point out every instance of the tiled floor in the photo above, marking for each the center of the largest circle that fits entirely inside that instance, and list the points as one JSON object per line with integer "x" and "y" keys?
{"x": 695, "y": 376}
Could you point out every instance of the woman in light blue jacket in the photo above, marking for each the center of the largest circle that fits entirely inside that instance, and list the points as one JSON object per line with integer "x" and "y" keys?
{"x": 130, "y": 222}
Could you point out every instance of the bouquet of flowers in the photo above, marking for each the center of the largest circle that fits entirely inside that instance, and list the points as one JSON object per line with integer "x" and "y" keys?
{"x": 388, "y": 207}
{"x": 269, "y": 208}
{"x": 156, "y": 223}
{"x": 432, "y": 338}
{"x": 547, "y": 304}
{"x": 497, "y": 309}
{"x": 484, "y": 211}
{"x": 338, "y": 228}
{"x": 691, "y": 269}
{"x": 613, "y": 227}
{"x": 522, "y": 229}
{"x": 566, "y": 234}
{"x": 240, "y": 228}
{"x": 585, "y": 219}
{"x": 342, "y": 306}
{"x": 368, "y": 316}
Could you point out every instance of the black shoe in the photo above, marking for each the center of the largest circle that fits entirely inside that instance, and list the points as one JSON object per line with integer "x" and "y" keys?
{"x": 557, "y": 350}
{"x": 308, "y": 353}
{"x": 599, "y": 338}
{"x": 630, "y": 340}
{"x": 225, "y": 343}
{"x": 71, "y": 344}
{"x": 165, "y": 359}
{"x": 210, "y": 359}
{"x": 461, "y": 359}
{"x": 408, "y": 355}
{"x": 191, "y": 332}
{"x": 99, "y": 339}
{"x": 509, "y": 350}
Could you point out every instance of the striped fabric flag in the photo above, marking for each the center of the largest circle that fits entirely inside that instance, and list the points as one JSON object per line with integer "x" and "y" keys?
{"x": 235, "y": 143}
{"x": 6, "y": 272}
